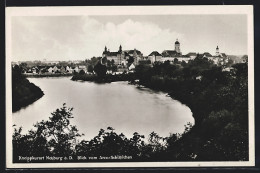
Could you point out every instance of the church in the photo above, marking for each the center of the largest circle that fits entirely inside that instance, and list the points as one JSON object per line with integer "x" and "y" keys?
{"x": 170, "y": 55}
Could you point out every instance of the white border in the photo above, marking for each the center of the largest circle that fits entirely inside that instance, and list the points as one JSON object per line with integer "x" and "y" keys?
{"x": 130, "y": 10}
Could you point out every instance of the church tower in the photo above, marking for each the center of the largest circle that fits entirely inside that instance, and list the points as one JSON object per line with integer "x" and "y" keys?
{"x": 177, "y": 46}
{"x": 119, "y": 55}
{"x": 217, "y": 51}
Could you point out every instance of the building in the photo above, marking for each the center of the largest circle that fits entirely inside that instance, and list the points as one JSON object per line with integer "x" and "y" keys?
{"x": 219, "y": 58}
{"x": 121, "y": 57}
{"x": 192, "y": 55}
{"x": 170, "y": 55}
{"x": 82, "y": 67}
{"x": 154, "y": 56}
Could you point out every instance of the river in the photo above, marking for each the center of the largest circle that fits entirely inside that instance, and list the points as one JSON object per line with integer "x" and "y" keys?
{"x": 124, "y": 107}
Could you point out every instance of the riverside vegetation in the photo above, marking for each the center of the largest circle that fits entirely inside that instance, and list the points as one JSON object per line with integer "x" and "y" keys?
{"x": 23, "y": 91}
{"x": 218, "y": 100}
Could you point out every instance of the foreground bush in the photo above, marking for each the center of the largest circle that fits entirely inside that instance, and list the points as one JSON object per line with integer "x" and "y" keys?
{"x": 57, "y": 137}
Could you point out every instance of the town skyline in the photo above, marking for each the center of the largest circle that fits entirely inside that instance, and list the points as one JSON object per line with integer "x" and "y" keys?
{"x": 64, "y": 38}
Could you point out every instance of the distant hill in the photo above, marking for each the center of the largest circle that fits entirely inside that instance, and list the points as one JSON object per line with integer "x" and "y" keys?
{"x": 237, "y": 58}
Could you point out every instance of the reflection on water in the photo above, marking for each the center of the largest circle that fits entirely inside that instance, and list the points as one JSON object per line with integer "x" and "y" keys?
{"x": 124, "y": 107}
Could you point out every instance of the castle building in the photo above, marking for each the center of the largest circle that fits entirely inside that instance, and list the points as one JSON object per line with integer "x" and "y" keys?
{"x": 121, "y": 56}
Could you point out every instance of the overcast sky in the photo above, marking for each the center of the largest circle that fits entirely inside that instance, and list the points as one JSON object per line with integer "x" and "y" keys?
{"x": 82, "y": 37}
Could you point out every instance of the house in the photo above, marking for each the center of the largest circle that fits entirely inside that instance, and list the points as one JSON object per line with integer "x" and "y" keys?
{"x": 50, "y": 70}
{"x": 206, "y": 55}
{"x": 82, "y": 67}
{"x": 43, "y": 70}
{"x": 68, "y": 69}
{"x": 35, "y": 70}
{"x": 75, "y": 69}
{"x": 192, "y": 55}
{"x": 131, "y": 67}
{"x": 55, "y": 69}
{"x": 62, "y": 69}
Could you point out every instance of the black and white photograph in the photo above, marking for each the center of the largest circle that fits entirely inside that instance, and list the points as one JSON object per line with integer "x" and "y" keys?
{"x": 139, "y": 86}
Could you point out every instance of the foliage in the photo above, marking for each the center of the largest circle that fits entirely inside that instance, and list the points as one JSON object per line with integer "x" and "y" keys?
{"x": 100, "y": 70}
{"x": 219, "y": 102}
{"x": 23, "y": 92}
{"x": 90, "y": 68}
{"x": 81, "y": 72}
{"x": 93, "y": 61}
{"x": 55, "y": 136}
{"x": 130, "y": 60}
{"x": 109, "y": 143}
{"x": 104, "y": 60}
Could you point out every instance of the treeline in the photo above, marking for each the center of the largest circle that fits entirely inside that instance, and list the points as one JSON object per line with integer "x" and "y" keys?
{"x": 218, "y": 100}
{"x": 23, "y": 92}
{"x": 107, "y": 79}
{"x": 101, "y": 75}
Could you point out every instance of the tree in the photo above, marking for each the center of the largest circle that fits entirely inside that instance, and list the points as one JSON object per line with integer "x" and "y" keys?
{"x": 112, "y": 61}
{"x": 81, "y": 72}
{"x": 100, "y": 70}
{"x": 175, "y": 61}
{"x": 183, "y": 64}
{"x": 108, "y": 63}
{"x": 104, "y": 60}
{"x": 130, "y": 60}
{"x": 114, "y": 68}
{"x": 55, "y": 136}
{"x": 90, "y": 68}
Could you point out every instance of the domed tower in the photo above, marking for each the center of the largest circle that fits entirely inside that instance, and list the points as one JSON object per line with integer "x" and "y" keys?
{"x": 217, "y": 51}
{"x": 177, "y": 46}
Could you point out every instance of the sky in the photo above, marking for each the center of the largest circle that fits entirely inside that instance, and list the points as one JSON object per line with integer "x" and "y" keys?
{"x": 65, "y": 38}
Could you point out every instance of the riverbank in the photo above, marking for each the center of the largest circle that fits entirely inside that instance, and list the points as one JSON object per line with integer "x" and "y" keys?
{"x": 106, "y": 79}
{"x": 219, "y": 103}
{"x": 31, "y": 75}
{"x": 24, "y": 93}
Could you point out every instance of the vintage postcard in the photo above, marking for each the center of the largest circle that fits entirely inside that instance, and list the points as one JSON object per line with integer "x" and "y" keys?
{"x": 129, "y": 86}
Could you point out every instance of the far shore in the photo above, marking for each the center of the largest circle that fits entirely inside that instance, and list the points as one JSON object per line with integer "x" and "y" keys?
{"x": 47, "y": 75}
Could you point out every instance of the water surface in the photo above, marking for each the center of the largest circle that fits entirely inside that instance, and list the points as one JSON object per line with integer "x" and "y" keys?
{"x": 124, "y": 107}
